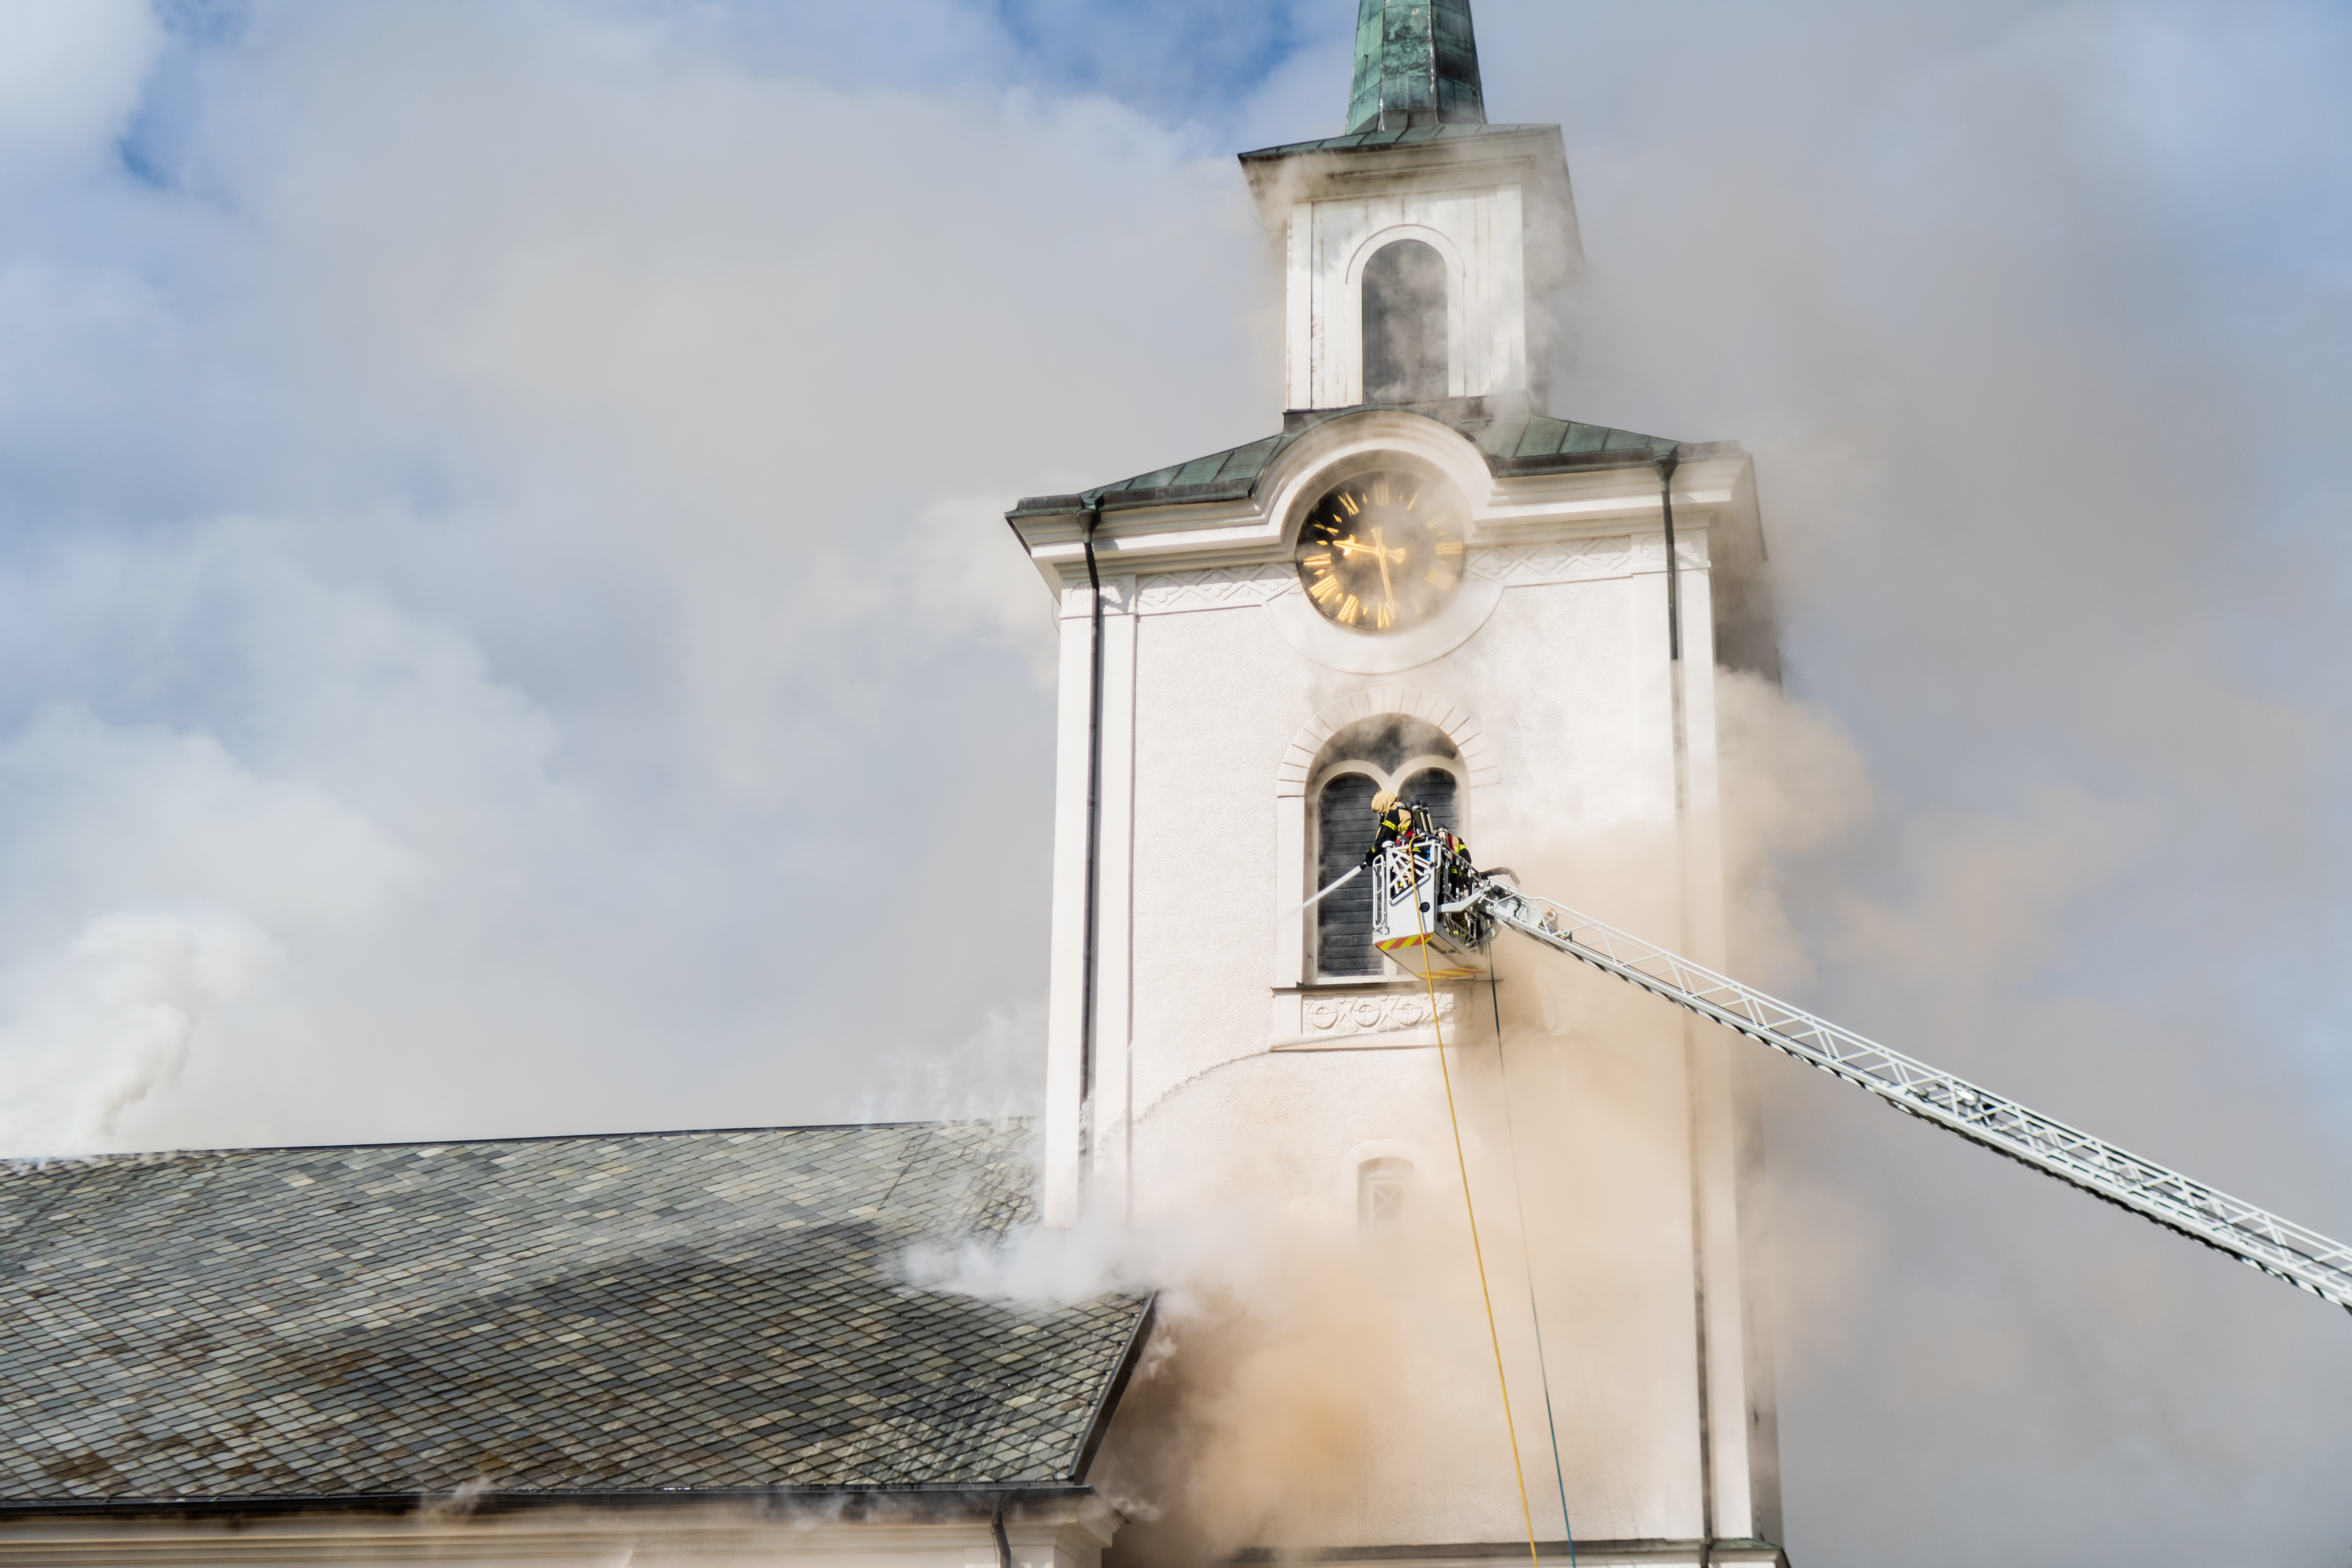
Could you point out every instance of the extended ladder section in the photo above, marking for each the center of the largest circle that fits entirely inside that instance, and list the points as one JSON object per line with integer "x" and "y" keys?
{"x": 2278, "y": 1248}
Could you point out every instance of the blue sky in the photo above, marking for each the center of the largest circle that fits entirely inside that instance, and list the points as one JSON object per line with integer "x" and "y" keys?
{"x": 494, "y": 496}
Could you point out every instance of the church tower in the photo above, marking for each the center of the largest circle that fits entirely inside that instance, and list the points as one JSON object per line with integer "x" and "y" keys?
{"x": 1425, "y": 582}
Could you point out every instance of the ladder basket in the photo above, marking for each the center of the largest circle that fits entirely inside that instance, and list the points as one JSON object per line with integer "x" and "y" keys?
{"x": 1414, "y": 882}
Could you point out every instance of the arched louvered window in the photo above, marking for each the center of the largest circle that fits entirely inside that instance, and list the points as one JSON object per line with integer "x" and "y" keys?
{"x": 1343, "y": 922}
{"x": 1404, "y": 324}
{"x": 1391, "y": 751}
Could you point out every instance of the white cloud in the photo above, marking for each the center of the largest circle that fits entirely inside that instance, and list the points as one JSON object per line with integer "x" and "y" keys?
{"x": 611, "y": 459}
{"x": 70, "y": 74}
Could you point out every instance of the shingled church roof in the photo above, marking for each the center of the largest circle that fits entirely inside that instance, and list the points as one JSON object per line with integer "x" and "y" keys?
{"x": 553, "y": 1318}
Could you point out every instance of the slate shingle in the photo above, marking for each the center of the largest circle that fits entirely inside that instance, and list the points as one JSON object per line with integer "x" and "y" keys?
{"x": 657, "y": 1311}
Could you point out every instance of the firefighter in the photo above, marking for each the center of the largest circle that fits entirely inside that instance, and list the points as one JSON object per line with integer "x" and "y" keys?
{"x": 1401, "y": 822}
{"x": 1407, "y": 821}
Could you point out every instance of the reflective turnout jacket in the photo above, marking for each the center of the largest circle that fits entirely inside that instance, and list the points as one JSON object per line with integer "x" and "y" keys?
{"x": 1411, "y": 819}
{"x": 1405, "y": 819}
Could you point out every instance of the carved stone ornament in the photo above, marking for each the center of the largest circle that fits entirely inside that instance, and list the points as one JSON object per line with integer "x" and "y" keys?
{"x": 1363, "y": 1017}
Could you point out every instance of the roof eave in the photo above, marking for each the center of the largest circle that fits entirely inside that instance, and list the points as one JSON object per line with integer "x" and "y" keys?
{"x": 850, "y": 1502}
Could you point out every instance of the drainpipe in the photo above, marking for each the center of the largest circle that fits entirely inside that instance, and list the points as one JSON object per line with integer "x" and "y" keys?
{"x": 1665, "y": 463}
{"x": 1090, "y": 519}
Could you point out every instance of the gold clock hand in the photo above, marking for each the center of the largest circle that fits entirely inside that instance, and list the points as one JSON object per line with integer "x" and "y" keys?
{"x": 1386, "y": 586}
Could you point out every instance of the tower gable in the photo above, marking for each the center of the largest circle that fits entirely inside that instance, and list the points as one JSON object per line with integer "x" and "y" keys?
{"x": 1492, "y": 201}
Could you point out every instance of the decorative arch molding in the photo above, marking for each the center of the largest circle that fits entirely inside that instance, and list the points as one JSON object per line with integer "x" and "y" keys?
{"x": 1372, "y": 438}
{"x": 1457, "y": 270}
{"x": 1480, "y": 765}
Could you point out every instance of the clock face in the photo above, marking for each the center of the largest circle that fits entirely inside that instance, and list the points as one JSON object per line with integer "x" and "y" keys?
{"x": 1382, "y": 550}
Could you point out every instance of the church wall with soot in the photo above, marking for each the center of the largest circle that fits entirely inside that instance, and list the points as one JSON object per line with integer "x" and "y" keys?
{"x": 1229, "y": 1091}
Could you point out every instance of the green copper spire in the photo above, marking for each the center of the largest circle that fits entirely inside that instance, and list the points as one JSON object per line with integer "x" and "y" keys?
{"x": 1416, "y": 64}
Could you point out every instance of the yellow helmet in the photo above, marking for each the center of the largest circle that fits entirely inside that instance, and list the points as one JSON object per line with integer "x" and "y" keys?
{"x": 1384, "y": 800}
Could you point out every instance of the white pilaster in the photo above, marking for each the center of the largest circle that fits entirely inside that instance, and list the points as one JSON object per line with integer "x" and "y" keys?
{"x": 1654, "y": 690}
{"x": 1715, "y": 1115}
{"x": 1115, "y": 939}
{"x": 1065, "y": 973}
{"x": 1066, "y": 1115}
{"x": 1290, "y": 876}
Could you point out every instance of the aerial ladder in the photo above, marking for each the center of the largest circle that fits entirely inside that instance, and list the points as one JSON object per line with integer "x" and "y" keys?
{"x": 1434, "y": 913}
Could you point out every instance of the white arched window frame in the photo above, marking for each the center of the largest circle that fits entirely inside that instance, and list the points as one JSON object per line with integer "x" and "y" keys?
{"x": 1349, "y": 319}
{"x": 1303, "y": 767}
{"x": 1388, "y": 779}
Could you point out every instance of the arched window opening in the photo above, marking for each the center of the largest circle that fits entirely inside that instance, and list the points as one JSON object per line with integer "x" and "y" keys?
{"x": 1389, "y": 752}
{"x": 1405, "y": 341}
{"x": 1383, "y": 1188}
{"x": 1343, "y": 922}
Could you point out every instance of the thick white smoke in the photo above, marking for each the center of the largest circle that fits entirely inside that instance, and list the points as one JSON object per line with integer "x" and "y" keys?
{"x": 479, "y": 496}
{"x": 87, "y": 1033}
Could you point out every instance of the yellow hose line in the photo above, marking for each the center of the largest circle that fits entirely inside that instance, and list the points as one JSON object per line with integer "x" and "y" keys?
{"x": 1462, "y": 1161}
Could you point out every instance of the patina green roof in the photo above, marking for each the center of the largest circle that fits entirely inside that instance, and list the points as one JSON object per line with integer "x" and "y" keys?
{"x": 1400, "y": 136}
{"x": 1416, "y": 64}
{"x": 1514, "y": 443}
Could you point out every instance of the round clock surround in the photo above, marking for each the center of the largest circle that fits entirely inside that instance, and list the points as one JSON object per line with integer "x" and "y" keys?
{"x": 1382, "y": 551}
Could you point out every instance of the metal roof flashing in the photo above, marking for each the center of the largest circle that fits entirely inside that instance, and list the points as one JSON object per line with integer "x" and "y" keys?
{"x": 1513, "y": 440}
{"x": 1444, "y": 139}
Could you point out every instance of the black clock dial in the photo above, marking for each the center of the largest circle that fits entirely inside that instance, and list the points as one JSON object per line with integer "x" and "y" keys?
{"x": 1382, "y": 550}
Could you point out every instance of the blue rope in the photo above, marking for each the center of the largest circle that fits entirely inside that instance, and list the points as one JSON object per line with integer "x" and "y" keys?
{"x": 1519, "y": 1193}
